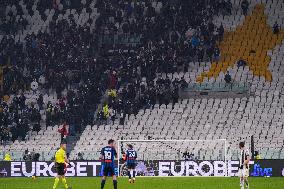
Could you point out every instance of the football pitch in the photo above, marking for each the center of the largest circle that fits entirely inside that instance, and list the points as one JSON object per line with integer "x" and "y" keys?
{"x": 145, "y": 183}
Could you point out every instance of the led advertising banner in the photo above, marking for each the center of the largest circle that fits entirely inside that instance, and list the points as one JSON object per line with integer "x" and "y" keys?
{"x": 258, "y": 168}
{"x": 267, "y": 168}
{"x": 46, "y": 169}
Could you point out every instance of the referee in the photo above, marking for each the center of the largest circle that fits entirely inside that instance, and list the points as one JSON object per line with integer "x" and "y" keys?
{"x": 60, "y": 160}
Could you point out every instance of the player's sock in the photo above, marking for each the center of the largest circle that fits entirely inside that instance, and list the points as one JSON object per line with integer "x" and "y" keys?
{"x": 114, "y": 184}
{"x": 64, "y": 183}
{"x": 247, "y": 183}
{"x": 242, "y": 184}
{"x": 129, "y": 174}
{"x": 55, "y": 182}
{"x": 134, "y": 173}
{"x": 103, "y": 184}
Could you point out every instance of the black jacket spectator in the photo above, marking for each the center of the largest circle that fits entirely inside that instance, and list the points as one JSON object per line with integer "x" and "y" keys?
{"x": 228, "y": 78}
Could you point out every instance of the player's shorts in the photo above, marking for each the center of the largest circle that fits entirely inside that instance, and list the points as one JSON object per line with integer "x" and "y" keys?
{"x": 244, "y": 172}
{"x": 60, "y": 168}
{"x": 131, "y": 165}
{"x": 108, "y": 171}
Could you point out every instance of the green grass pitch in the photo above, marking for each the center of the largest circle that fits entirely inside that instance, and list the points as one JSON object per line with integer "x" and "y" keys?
{"x": 145, "y": 183}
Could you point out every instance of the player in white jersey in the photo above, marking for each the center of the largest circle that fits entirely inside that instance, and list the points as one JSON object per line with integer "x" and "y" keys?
{"x": 244, "y": 165}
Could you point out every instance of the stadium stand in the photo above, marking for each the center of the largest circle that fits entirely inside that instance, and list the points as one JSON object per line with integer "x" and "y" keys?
{"x": 43, "y": 142}
{"x": 74, "y": 72}
{"x": 234, "y": 116}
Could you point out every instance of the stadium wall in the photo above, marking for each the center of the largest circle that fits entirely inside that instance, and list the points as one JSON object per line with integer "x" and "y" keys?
{"x": 258, "y": 168}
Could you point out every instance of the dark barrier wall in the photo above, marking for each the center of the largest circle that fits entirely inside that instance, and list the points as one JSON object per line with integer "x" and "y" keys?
{"x": 258, "y": 168}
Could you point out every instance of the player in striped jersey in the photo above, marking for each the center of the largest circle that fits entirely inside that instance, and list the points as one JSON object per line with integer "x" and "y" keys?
{"x": 244, "y": 165}
{"x": 131, "y": 156}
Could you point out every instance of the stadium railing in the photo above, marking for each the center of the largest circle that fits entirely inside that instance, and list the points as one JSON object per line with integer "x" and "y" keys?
{"x": 219, "y": 87}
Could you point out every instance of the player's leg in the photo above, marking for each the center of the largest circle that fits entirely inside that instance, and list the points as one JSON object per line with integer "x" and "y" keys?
{"x": 56, "y": 181}
{"x": 61, "y": 172}
{"x": 129, "y": 175}
{"x": 103, "y": 182}
{"x": 105, "y": 174}
{"x": 134, "y": 174}
{"x": 64, "y": 181}
{"x": 242, "y": 182}
{"x": 246, "y": 182}
{"x": 114, "y": 179}
{"x": 241, "y": 178}
{"x": 246, "y": 178}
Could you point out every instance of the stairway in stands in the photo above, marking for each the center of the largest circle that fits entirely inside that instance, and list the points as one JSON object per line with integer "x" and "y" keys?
{"x": 71, "y": 142}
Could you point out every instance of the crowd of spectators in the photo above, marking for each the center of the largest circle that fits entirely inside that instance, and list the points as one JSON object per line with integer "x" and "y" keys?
{"x": 171, "y": 37}
{"x": 16, "y": 119}
{"x": 57, "y": 62}
{"x": 13, "y": 21}
{"x": 140, "y": 95}
{"x": 178, "y": 30}
{"x": 70, "y": 59}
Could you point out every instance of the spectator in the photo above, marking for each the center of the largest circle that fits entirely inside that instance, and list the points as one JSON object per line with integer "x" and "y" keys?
{"x": 7, "y": 157}
{"x": 245, "y": 6}
{"x": 34, "y": 86}
{"x": 241, "y": 63}
{"x": 63, "y": 131}
{"x": 228, "y": 78}
{"x": 216, "y": 54}
{"x": 122, "y": 118}
{"x": 80, "y": 156}
{"x": 113, "y": 80}
{"x": 276, "y": 29}
{"x": 221, "y": 32}
{"x": 185, "y": 155}
{"x": 229, "y": 7}
{"x": 183, "y": 83}
{"x": 113, "y": 115}
{"x": 106, "y": 111}
{"x": 27, "y": 155}
{"x": 175, "y": 96}
{"x": 40, "y": 102}
{"x": 100, "y": 117}
{"x": 4, "y": 135}
{"x": 257, "y": 155}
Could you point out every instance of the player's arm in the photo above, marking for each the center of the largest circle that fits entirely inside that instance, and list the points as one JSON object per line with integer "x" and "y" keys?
{"x": 102, "y": 155}
{"x": 115, "y": 152}
{"x": 126, "y": 155}
{"x": 55, "y": 164}
{"x": 246, "y": 162}
{"x": 66, "y": 159}
{"x": 135, "y": 154}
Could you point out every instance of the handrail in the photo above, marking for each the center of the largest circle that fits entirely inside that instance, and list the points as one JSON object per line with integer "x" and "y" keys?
{"x": 218, "y": 87}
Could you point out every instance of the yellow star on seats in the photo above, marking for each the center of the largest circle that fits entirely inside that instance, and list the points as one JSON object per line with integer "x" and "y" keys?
{"x": 254, "y": 35}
